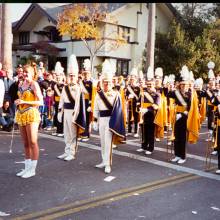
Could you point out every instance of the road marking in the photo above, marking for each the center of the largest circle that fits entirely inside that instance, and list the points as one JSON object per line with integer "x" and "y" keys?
{"x": 145, "y": 159}
{"x": 77, "y": 206}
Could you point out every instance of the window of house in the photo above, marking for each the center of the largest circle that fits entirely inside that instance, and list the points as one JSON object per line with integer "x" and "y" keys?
{"x": 24, "y": 37}
{"x": 122, "y": 67}
{"x": 125, "y": 32}
{"x": 54, "y": 35}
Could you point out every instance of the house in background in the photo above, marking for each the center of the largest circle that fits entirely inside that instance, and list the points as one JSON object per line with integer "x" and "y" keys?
{"x": 36, "y": 34}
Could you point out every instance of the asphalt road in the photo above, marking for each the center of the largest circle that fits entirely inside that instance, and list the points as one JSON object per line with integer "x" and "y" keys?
{"x": 142, "y": 187}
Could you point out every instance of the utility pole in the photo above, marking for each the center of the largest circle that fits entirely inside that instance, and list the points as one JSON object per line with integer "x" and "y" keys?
{"x": 6, "y": 37}
{"x": 151, "y": 34}
{"x": 1, "y": 32}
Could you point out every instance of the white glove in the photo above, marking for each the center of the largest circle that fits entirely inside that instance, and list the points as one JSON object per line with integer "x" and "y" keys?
{"x": 89, "y": 109}
{"x": 130, "y": 96}
{"x": 95, "y": 126}
{"x": 59, "y": 116}
{"x": 185, "y": 112}
{"x": 144, "y": 110}
{"x": 178, "y": 116}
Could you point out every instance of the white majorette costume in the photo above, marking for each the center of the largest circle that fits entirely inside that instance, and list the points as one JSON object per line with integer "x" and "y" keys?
{"x": 73, "y": 106}
{"x": 108, "y": 117}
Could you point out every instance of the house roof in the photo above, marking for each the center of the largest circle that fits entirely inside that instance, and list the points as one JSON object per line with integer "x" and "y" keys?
{"x": 52, "y": 9}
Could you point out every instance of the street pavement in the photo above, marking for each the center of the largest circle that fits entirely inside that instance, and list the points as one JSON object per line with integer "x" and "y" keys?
{"x": 140, "y": 187}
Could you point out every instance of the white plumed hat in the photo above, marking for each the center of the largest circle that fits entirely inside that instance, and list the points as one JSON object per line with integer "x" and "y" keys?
{"x": 150, "y": 74}
{"x": 184, "y": 73}
{"x": 198, "y": 82}
{"x": 159, "y": 73}
{"x": 140, "y": 74}
{"x": 58, "y": 68}
{"x": 191, "y": 76}
{"x": 72, "y": 65}
{"x": 107, "y": 71}
{"x": 134, "y": 72}
{"x": 87, "y": 65}
{"x": 171, "y": 78}
{"x": 211, "y": 74}
{"x": 165, "y": 80}
{"x": 211, "y": 65}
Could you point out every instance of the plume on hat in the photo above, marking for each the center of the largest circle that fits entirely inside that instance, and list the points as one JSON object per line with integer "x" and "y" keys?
{"x": 211, "y": 74}
{"x": 134, "y": 72}
{"x": 191, "y": 76}
{"x": 107, "y": 70}
{"x": 171, "y": 78}
{"x": 73, "y": 65}
{"x": 58, "y": 68}
{"x": 198, "y": 82}
{"x": 211, "y": 65}
{"x": 140, "y": 74}
{"x": 150, "y": 73}
{"x": 159, "y": 72}
{"x": 87, "y": 65}
{"x": 165, "y": 80}
{"x": 184, "y": 73}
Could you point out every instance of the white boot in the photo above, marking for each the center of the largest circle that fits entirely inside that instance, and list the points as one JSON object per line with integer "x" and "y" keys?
{"x": 27, "y": 163}
{"x": 31, "y": 171}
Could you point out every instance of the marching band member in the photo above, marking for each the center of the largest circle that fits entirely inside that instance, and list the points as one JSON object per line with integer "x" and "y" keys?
{"x": 73, "y": 108}
{"x": 210, "y": 93}
{"x": 108, "y": 117}
{"x": 88, "y": 88}
{"x": 182, "y": 98}
{"x": 150, "y": 101}
{"x": 28, "y": 118}
{"x": 132, "y": 95}
{"x": 57, "y": 88}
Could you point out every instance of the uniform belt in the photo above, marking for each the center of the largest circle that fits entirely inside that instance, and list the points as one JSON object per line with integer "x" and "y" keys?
{"x": 146, "y": 105}
{"x": 57, "y": 98}
{"x": 180, "y": 108}
{"x": 209, "y": 103}
{"x": 86, "y": 95}
{"x": 68, "y": 105}
{"x": 24, "y": 110}
{"x": 105, "y": 113}
{"x": 218, "y": 122}
{"x": 215, "y": 108}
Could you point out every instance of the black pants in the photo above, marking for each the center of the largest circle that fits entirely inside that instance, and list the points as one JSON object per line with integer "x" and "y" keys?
{"x": 147, "y": 129}
{"x": 57, "y": 124}
{"x": 135, "y": 115}
{"x": 180, "y": 137}
{"x": 218, "y": 147}
{"x": 210, "y": 116}
{"x": 86, "y": 133}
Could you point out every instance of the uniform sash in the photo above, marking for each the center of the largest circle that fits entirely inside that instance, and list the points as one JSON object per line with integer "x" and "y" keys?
{"x": 180, "y": 98}
{"x": 149, "y": 97}
{"x": 105, "y": 100}
{"x": 69, "y": 95}
{"x": 132, "y": 92}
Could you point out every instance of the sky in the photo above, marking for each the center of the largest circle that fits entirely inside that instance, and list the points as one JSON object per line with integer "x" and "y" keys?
{"x": 17, "y": 10}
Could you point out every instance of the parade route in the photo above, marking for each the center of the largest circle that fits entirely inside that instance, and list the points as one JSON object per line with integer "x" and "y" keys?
{"x": 76, "y": 190}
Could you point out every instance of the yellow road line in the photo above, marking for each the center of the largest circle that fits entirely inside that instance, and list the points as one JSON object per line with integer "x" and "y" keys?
{"x": 104, "y": 197}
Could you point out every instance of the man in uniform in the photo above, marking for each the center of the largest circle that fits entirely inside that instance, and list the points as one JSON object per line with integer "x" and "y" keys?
{"x": 57, "y": 88}
{"x": 132, "y": 96}
{"x": 73, "y": 108}
{"x": 150, "y": 101}
{"x": 88, "y": 90}
{"x": 108, "y": 117}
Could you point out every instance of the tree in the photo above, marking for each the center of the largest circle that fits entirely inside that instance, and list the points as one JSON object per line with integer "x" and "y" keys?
{"x": 87, "y": 23}
{"x": 215, "y": 11}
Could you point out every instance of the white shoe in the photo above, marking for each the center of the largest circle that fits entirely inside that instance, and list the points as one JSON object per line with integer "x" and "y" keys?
{"x": 62, "y": 156}
{"x": 54, "y": 134}
{"x": 22, "y": 172}
{"x": 181, "y": 161}
{"x": 69, "y": 158}
{"x": 107, "y": 169}
{"x": 214, "y": 152}
{"x": 85, "y": 139}
{"x": 129, "y": 133}
{"x": 29, "y": 173}
{"x": 136, "y": 135}
{"x": 217, "y": 171}
{"x": 79, "y": 139}
{"x": 157, "y": 139}
{"x": 60, "y": 135}
{"x": 208, "y": 139}
{"x": 175, "y": 159}
{"x": 169, "y": 143}
{"x": 148, "y": 152}
{"x": 101, "y": 165}
{"x": 140, "y": 150}
{"x": 49, "y": 128}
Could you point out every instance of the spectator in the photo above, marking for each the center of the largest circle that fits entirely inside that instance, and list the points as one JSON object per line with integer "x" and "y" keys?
{"x": 6, "y": 116}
